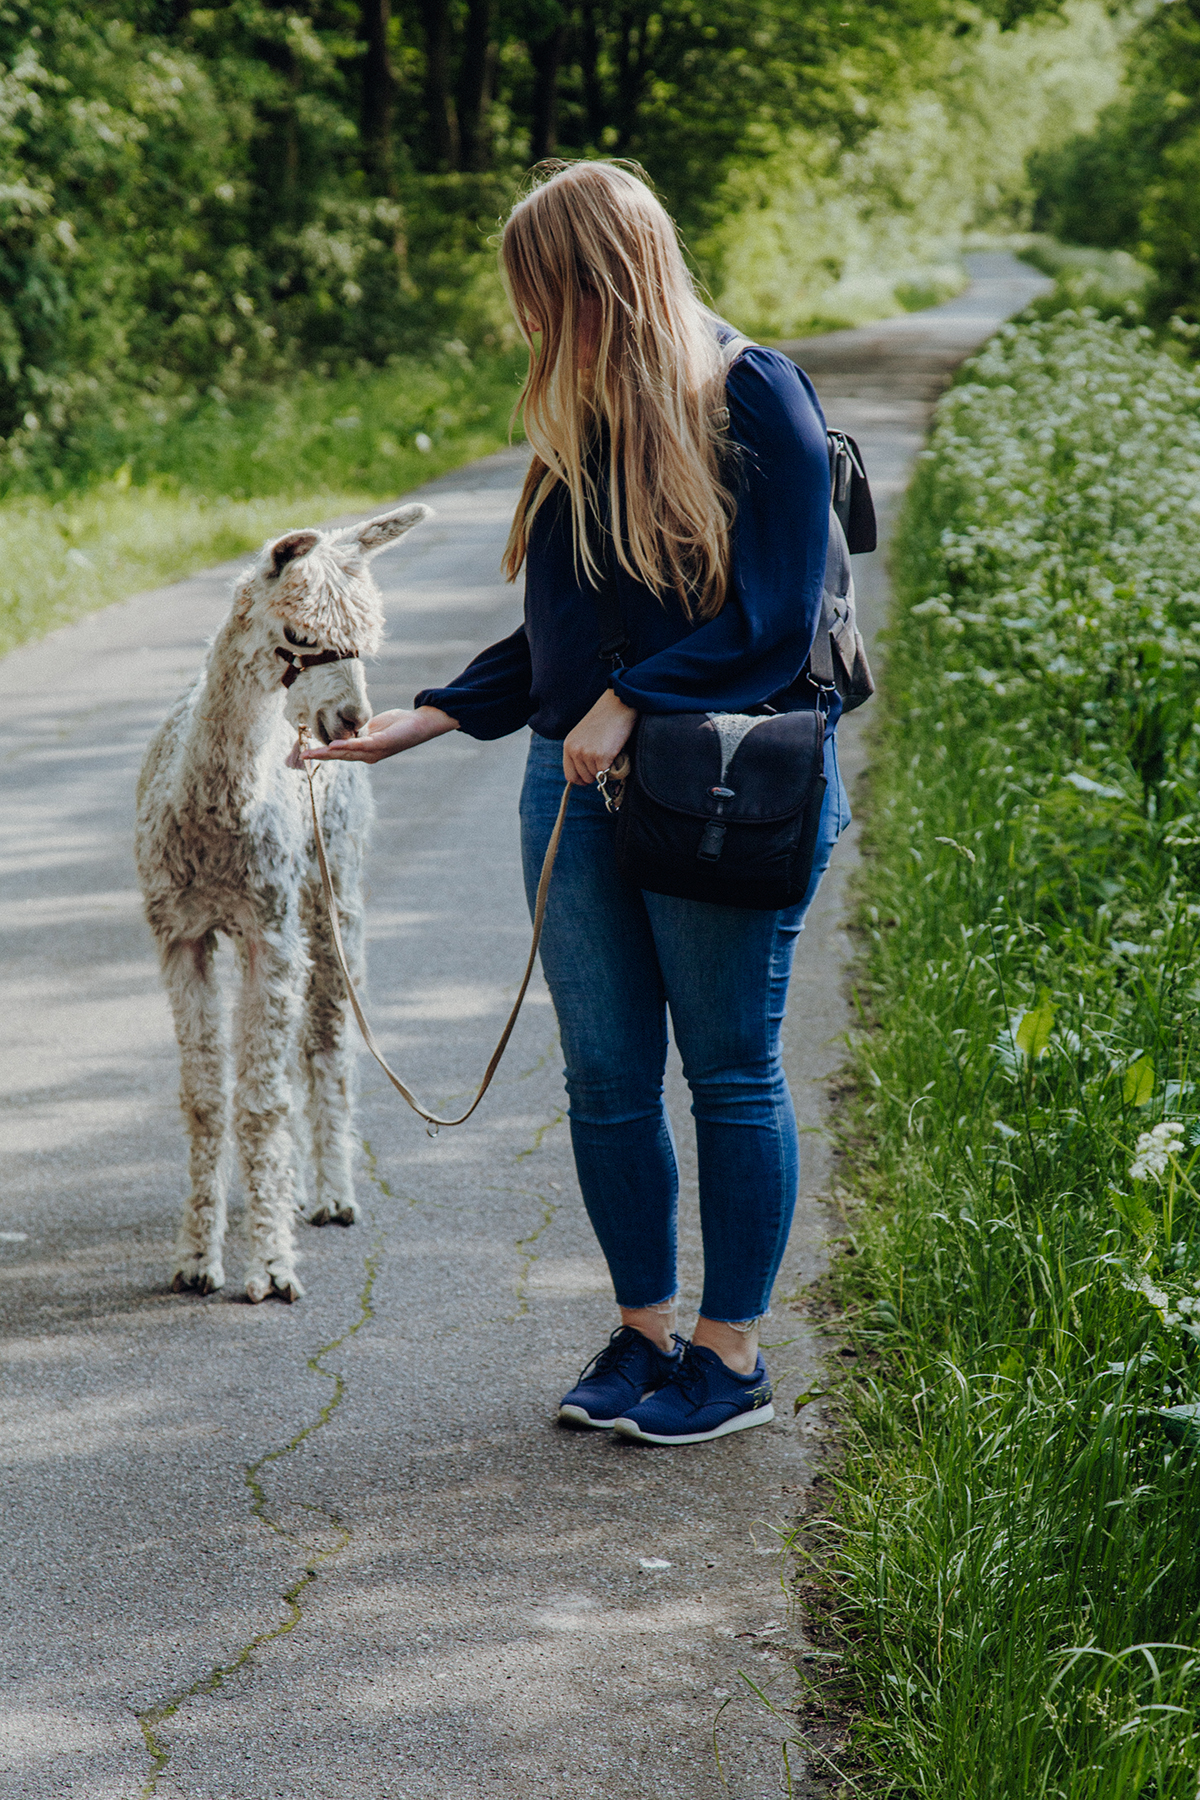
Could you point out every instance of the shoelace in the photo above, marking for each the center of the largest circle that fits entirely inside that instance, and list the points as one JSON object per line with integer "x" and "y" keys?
{"x": 623, "y": 1340}
{"x": 691, "y": 1371}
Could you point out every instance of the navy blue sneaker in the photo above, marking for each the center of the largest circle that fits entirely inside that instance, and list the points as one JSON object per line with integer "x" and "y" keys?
{"x": 628, "y": 1367}
{"x": 703, "y": 1399}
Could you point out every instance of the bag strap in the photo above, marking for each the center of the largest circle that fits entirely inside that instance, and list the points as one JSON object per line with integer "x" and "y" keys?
{"x": 819, "y": 667}
{"x": 614, "y": 639}
{"x": 733, "y": 347}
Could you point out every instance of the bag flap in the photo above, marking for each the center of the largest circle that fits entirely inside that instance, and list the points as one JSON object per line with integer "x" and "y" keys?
{"x": 741, "y": 768}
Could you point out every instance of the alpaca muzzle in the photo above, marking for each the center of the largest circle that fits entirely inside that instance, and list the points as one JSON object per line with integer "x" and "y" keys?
{"x": 296, "y": 665}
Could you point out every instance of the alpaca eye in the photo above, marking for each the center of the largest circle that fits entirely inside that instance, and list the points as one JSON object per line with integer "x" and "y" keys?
{"x": 299, "y": 642}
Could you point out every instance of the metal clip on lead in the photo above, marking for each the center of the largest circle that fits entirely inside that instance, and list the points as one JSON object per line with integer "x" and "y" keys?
{"x": 618, "y": 774}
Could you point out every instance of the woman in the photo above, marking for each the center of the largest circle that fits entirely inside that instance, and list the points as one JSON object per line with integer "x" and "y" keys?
{"x": 721, "y": 484}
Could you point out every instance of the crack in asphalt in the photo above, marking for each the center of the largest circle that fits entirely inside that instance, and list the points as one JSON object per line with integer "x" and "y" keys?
{"x": 154, "y": 1716}
{"x": 151, "y": 1718}
{"x": 529, "y": 1255}
{"x": 550, "y": 1208}
{"x": 372, "y": 1161}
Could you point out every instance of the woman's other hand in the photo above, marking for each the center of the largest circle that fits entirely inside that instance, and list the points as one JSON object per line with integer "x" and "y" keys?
{"x": 386, "y": 735}
{"x": 598, "y": 739}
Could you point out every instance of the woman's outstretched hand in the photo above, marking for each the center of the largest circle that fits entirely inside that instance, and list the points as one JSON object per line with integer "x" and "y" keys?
{"x": 598, "y": 739}
{"x": 386, "y": 735}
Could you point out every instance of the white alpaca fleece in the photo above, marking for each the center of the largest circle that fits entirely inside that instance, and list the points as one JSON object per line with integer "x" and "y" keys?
{"x": 318, "y": 582}
{"x": 225, "y": 846}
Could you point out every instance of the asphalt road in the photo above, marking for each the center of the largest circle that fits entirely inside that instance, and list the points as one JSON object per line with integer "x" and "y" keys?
{"x": 340, "y": 1549}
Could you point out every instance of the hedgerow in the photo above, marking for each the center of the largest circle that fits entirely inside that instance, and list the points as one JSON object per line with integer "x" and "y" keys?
{"x": 1012, "y": 1562}
{"x": 193, "y": 484}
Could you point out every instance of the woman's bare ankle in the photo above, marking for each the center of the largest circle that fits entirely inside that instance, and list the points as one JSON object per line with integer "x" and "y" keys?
{"x": 736, "y": 1345}
{"x": 654, "y": 1322}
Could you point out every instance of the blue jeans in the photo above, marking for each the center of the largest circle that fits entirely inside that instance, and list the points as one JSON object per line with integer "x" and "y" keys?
{"x": 616, "y": 960}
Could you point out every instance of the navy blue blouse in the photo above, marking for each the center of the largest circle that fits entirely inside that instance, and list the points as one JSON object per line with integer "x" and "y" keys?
{"x": 548, "y": 674}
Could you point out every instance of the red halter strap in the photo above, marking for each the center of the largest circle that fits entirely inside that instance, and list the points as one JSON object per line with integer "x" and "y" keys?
{"x": 296, "y": 665}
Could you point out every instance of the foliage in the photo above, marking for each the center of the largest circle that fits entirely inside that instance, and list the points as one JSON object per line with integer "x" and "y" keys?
{"x": 1012, "y": 1563}
{"x": 1134, "y": 183}
{"x": 1111, "y": 282}
{"x": 837, "y": 227}
{"x": 213, "y": 198}
{"x": 224, "y": 228}
{"x": 158, "y": 237}
{"x": 196, "y": 484}
{"x": 640, "y": 79}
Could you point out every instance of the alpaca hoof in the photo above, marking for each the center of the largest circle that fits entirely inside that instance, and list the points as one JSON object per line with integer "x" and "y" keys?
{"x": 286, "y": 1285}
{"x": 281, "y": 1283}
{"x": 333, "y": 1213}
{"x": 193, "y": 1272}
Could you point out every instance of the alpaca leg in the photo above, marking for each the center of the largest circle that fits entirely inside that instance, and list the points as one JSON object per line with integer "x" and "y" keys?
{"x": 327, "y": 1055}
{"x": 266, "y": 1032}
{"x": 204, "y": 1097}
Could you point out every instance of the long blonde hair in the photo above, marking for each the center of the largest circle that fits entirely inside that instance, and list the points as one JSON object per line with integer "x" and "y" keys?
{"x": 656, "y": 381}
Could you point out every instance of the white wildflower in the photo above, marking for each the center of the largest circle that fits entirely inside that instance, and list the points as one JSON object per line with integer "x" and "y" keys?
{"x": 1155, "y": 1149}
{"x": 1159, "y": 1300}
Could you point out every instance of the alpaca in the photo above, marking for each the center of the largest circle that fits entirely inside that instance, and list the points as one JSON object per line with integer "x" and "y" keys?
{"x": 225, "y": 845}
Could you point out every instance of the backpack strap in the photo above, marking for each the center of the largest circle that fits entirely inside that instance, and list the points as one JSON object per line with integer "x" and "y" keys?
{"x": 733, "y": 347}
{"x": 819, "y": 667}
{"x": 614, "y": 639}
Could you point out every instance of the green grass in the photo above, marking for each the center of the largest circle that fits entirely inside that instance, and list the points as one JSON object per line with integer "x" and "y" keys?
{"x": 1010, "y": 1568}
{"x": 156, "y": 492}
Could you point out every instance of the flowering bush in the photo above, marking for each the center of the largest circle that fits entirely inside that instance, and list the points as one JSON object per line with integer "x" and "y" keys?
{"x": 1064, "y": 474}
{"x": 1021, "y": 1499}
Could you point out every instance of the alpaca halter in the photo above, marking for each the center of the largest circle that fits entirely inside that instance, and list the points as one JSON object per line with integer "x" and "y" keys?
{"x": 296, "y": 665}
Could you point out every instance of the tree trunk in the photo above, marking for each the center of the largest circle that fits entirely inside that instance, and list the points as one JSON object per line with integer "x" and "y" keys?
{"x": 546, "y": 57}
{"x": 589, "y": 68}
{"x": 632, "y": 62}
{"x": 439, "y": 107}
{"x": 474, "y": 85}
{"x": 375, "y": 113}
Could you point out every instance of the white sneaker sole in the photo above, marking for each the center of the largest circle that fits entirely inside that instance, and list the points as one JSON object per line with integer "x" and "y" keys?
{"x": 761, "y": 1415}
{"x": 575, "y": 1415}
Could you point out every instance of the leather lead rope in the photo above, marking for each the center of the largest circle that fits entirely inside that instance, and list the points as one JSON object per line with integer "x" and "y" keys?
{"x": 539, "y": 914}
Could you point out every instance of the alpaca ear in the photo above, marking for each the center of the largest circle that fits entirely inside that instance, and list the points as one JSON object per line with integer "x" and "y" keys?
{"x": 376, "y": 534}
{"x": 286, "y": 549}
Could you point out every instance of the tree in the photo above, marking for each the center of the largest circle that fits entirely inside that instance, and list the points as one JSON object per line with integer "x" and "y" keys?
{"x": 441, "y": 124}
{"x": 1134, "y": 183}
{"x": 477, "y": 67}
{"x": 377, "y": 93}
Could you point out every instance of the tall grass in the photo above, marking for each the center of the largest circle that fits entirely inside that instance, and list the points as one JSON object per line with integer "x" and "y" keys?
{"x": 1012, "y": 1564}
{"x": 157, "y": 490}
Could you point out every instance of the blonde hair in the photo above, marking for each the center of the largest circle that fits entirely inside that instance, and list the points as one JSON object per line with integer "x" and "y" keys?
{"x": 656, "y": 381}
